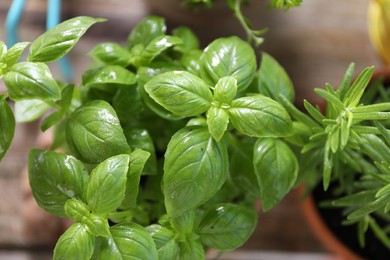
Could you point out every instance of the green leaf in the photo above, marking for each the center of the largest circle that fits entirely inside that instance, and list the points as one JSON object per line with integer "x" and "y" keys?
{"x": 190, "y": 41}
{"x": 260, "y": 116}
{"x": 157, "y": 46}
{"x": 59, "y": 40}
{"x": 140, "y": 138}
{"x": 55, "y": 178}
{"x": 3, "y": 50}
{"x": 217, "y": 121}
{"x": 273, "y": 80}
{"x": 147, "y": 73}
{"x": 7, "y": 126}
{"x": 191, "y": 249}
{"x": 183, "y": 224}
{"x": 355, "y": 92}
{"x": 108, "y": 78}
{"x": 51, "y": 120}
{"x": 228, "y": 57}
{"x": 190, "y": 60}
{"x": 128, "y": 241}
{"x": 242, "y": 172}
{"x": 75, "y": 243}
{"x": 95, "y": 133}
{"x": 121, "y": 100}
{"x": 137, "y": 163}
{"x": 111, "y": 53}
{"x": 146, "y": 30}
{"x": 14, "y": 53}
{"x": 180, "y": 92}
{"x": 79, "y": 212}
{"x": 276, "y": 168}
{"x": 107, "y": 184}
{"x": 196, "y": 167}
{"x": 29, "y": 110}
{"x": 225, "y": 90}
{"x": 226, "y": 227}
{"x": 27, "y": 80}
{"x": 164, "y": 239}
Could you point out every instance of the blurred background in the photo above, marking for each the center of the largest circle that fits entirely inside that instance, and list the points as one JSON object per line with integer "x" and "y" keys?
{"x": 314, "y": 42}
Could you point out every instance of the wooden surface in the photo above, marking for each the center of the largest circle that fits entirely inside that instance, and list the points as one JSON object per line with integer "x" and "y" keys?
{"x": 315, "y": 43}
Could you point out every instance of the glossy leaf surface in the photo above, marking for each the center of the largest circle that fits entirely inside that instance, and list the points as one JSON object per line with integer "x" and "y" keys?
{"x": 137, "y": 164}
{"x": 217, "y": 121}
{"x": 227, "y": 226}
{"x": 29, "y": 109}
{"x": 95, "y": 132}
{"x": 146, "y": 30}
{"x": 128, "y": 241}
{"x": 111, "y": 53}
{"x": 55, "y": 178}
{"x": 14, "y": 53}
{"x": 273, "y": 79}
{"x": 229, "y": 57}
{"x": 180, "y": 92}
{"x": 164, "y": 239}
{"x": 196, "y": 166}
{"x": 59, "y": 40}
{"x": 7, "y": 126}
{"x": 260, "y": 116}
{"x": 75, "y": 243}
{"x": 107, "y": 184}
{"x": 276, "y": 168}
{"x": 27, "y": 80}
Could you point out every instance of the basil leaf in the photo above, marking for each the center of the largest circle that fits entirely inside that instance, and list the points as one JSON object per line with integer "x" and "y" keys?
{"x": 140, "y": 138}
{"x": 94, "y": 132}
{"x": 191, "y": 249}
{"x": 190, "y": 40}
{"x": 137, "y": 163}
{"x": 59, "y": 40}
{"x": 27, "y": 80}
{"x": 128, "y": 241}
{"x": 276, "y": 168}
{"x": 217, "y": 121}
{"x": 196, "y": 167}
{"x": 157, "y": 46}
{"x": 146, "y": 30}
{"x": 14, "y": 53}
{"x": 164, "y": 239}
{"x": 107, "y": 184}
{"x": 180, "y": 92}
{"x": 226, "y": 227}
{"x": 109, "y": 74}
{"x": 3, "y": 50}
{"x": 121, "y": 100}
{"x": 147, "y": 73}
{"x": 75, "y": 243}
{"x": 55, "y": 178}
{"x": 273, "y": 80}
{"x": 242, "y": 172}
{"x": 111, "y": 53}
{"x": 7, "y": 126}
{"x": 29, "y": 109}
{"x": 191, "y": 61}
{"x": 260, "y": 116}
{"x": 51, "y": 120}
{"x": 225, "y": 90}
{"x": 228, "y": 57}
{"x": 79, "y": 212}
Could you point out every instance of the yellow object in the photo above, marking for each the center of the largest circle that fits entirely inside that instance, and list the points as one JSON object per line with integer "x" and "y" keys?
{"x": 379, "y": 27}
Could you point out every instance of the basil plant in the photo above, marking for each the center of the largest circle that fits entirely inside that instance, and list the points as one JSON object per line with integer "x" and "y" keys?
{"x": 164, "y": 149}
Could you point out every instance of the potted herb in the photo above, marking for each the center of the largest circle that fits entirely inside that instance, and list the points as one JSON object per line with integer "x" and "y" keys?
{"x": 350, "y": 217}
{"x": 164, "y": 149}
{"x": 147, "y": 153}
